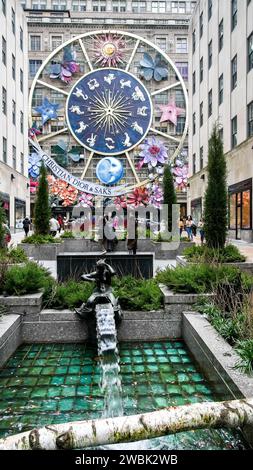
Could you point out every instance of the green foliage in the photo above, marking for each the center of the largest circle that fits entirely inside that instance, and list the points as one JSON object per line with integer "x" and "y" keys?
{"x": 70, "y": 294}
{"x": 42, "y": 208}
{"x": 169, "y": 197}
{"x": 2, "y": 229}
{"x": 138, "y": 294}
{"x": 3, "y": 310}
{"x": 15, "y": 255}
{"x": 215, "y": 206}
{"x": 67, "y": 234}
{"x": 245, "y": 350}
{"x": 196, "y": 279}
{"x": 41, "y": 239}
{"x": 27, "y": 279}
{"x": 204, "y": 254}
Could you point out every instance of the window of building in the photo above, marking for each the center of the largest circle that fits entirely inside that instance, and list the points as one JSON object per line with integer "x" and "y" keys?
{"x": 4, "y": 100}
{"x": 234, "y": 132}
{"x": 193, "y": 41}
{"x": 37, "y": 97}
{"x": 181, "y": 46}
{"x": 194, "y": 123}
{"x": 13, "y": 67}
{"x": 201, "y": 70}
{"x": 210, "y": 9}
{"x": 210, "y": 54}
{"x": 23, "y": 3}
{"x": 4, "y": 150}
{"x": 221, "y": 133}
{"x": 14, "y": 112}
{"x": 21, "y": 122}
{"x": 56, "y": 41}
{"x": 14, "y": 157}
{"x": 233, "y": 14}
{"x": 194, "y": 82}
{"x": 159, "y": 7}
{"x": 201, "y": 25}
{"x": 35, "y": 43}
{"x": 139, "y": 7}
{"x": 79, "y": 5}
{"x": 183, "y": 69}
{"x": 221, "y": 89}
{"x": 181, "y": 7}
{"x": 118, "y": 6}
{"x": 201, "y": 114}
{"x": 34, "y": 66}
{"x": 221, "y": 35}
{"x": 174, "y": 7}
{"x": 4, "y": 7}
{"x": 201, "y": 158}
{"x": 250, "y": 119}
{"x": 39, "y": 4}
{"x": 240, "y": 203}
{"x": 59, "y": 4}
{"x": 21, "y": 39}
{"x": 161, "y": 42}
{"x": 194, "y": 163}
{"x": 250, "y": 52}
{"x": 180, "y": 99}
{"x": 210, "y": 103}
{"x": 180, "y": 125}
{"x": 22, "y": 167}
{"x": 234, "y": 72}
{"x": 13, "y": 21}
{"x": 3, "y": 50}
{"x": 21, "y": 80}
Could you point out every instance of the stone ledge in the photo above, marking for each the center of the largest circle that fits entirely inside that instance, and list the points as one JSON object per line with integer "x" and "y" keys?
{"x": 179, "y": 298}
{"x": 23, "y": 304}
{"x": 10, "y": 336}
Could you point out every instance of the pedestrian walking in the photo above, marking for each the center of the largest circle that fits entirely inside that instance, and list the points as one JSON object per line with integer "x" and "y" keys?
{"x": 201, "y": 230}
{"x": 53, "y": 226}
{"x": 26, "y": 225}
{"x": 188, "y": 225}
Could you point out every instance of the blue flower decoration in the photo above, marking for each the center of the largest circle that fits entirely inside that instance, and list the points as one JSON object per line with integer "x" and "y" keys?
{"x": 153, "y": 68}
{"x": 34, "y": 164}
{"x": 47, "y": 111}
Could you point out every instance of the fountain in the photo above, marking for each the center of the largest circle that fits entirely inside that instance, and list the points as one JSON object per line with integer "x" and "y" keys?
{"x": 102, "y": 313}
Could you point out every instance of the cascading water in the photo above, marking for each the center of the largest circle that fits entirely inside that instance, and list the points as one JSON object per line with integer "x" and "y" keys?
{"x": 109, "y": 360}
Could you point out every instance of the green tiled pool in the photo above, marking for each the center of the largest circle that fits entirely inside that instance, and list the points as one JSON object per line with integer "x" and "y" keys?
{"x": 47, "y": 384}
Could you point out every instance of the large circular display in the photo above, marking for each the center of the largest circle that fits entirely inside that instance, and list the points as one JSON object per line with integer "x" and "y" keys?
{"x": 109, "y": 170}
{"x": 109, "y": 111}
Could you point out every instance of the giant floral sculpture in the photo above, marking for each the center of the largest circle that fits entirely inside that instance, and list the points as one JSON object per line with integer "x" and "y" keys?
{"x": 66, "y": 193}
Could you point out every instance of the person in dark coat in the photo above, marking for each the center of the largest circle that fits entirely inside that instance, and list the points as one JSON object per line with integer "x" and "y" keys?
{"x": 132, "y": 242}
{"x": 26, "y": 225}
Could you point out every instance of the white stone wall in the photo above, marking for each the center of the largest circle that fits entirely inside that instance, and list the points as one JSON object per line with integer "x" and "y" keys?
{"x": 18, "y": 187}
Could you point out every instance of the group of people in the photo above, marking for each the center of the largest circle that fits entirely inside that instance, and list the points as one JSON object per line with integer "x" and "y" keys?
{"x": 111, "y": 223}
{"x": 55, "y": 225}
{"x": 188, "y": 225}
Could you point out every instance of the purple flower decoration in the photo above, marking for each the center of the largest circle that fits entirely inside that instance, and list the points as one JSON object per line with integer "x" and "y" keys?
{"x": 34, "y": 164}
{"x": 67, "y": 68}
{"x": 86, "y": 200}
{"x": 156, "y": 196}
{"x": 153, "y": 151}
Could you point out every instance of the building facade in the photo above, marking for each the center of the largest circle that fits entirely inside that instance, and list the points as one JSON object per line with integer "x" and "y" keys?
{"x": 165, "y": 23}
{"x": 221, "y": 91}
{"x": 14, "y": 183}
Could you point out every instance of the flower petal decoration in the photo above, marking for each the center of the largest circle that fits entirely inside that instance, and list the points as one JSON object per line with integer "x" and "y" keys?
{"x": 181, "y": 177}
{"x": 156, "y": 196}
{"x": 66, "y": 193}
{"x": 86, "y": 200}
{"x": 47, "y": 110}
{"x": 34, "y": 131}
{"x": 153, "y": 68}
{"x": 120, "y": 202}
{"x": 153, "y": 152}
{"x": 139, "y": 197}
{"x": 34, "y": 164}
{"x": 170, "y": 112}
{"x": 65, "y": 70}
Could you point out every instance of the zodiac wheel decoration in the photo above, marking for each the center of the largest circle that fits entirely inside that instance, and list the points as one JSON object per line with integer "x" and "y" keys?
{"x": 107, "y": 111}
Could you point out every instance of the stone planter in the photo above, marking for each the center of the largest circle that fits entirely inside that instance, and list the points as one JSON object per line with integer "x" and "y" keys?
{"x": 29, "y": 304}
{"x": 45, "y": 252}
{"x": 243, "y": 265}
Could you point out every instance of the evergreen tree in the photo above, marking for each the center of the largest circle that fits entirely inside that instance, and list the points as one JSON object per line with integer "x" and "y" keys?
{"x": 169, "y": 197}
{"x": 215, "y": 206}
{"x": 42, "y": 208}
{"x": 2, "y": 221}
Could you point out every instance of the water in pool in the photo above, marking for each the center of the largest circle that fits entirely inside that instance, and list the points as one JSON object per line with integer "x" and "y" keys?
{"x": 48, "y": 384}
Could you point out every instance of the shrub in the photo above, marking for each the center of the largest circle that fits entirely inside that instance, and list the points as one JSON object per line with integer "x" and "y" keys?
{"x": 42, "y": 208}
{"x": 204, "y": 254}
{"x": 245, "y": 350}
{"x": 196, "y": 279}
{"x": 70, "y": 294}
{"x": 169, "y": 194}
{"x": 67, "y": 234}
{"x": 28, "y": 279}
{"x": 138, "y": 294}
{"x": 15, "y": 255}
{"x": 41, "y": 239}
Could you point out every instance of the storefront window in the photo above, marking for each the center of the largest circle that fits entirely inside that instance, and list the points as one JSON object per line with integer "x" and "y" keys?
{"x": 232, "y": 207}
{"x": 20, "y": 213}
{"x": 246, "y": 219}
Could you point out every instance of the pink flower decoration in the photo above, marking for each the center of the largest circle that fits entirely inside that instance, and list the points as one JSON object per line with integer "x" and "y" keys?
{"x": 181, "y": 176}
{"x": 170, "y": 112}
{"x": 139, "y": 197}
{"x": 153, "y": 151}
{"x": 120, "y": 202}
{"x": 86, "y": 200}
